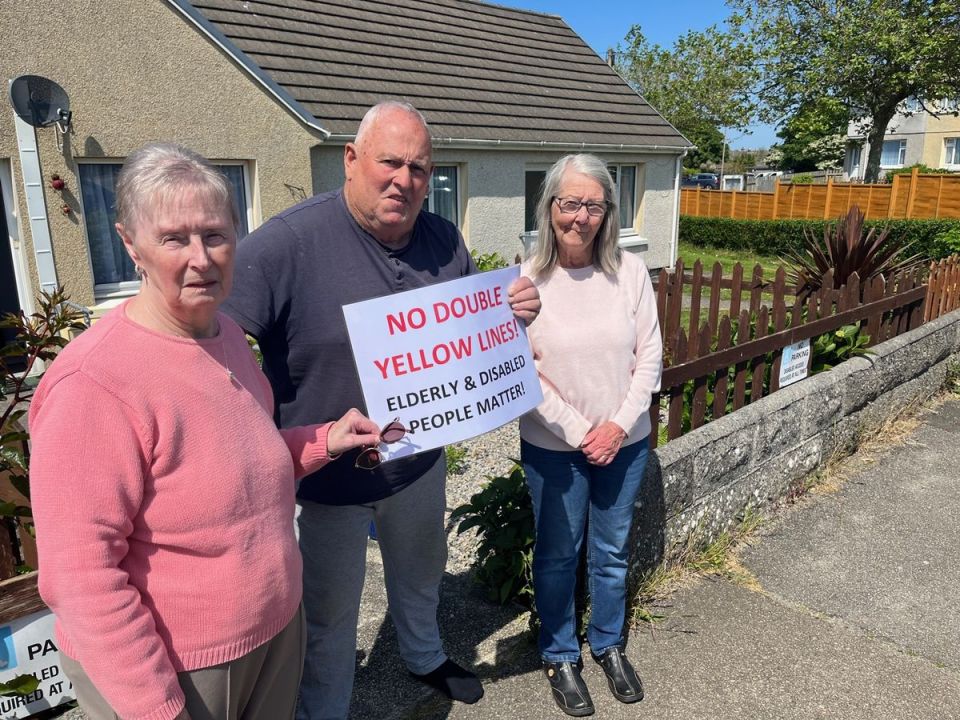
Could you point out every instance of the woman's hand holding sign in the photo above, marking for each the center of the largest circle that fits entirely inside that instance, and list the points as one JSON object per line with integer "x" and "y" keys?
{"x": 524, "y": 299}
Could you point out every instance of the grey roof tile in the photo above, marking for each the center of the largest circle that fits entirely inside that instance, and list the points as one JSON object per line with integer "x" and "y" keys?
{"x": 476, "y": 70}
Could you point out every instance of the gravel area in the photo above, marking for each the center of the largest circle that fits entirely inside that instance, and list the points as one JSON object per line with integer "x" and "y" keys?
{"x": 487, "y": 455}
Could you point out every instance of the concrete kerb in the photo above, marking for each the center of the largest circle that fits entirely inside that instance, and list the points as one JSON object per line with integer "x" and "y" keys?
{"x": 752, "y": 457}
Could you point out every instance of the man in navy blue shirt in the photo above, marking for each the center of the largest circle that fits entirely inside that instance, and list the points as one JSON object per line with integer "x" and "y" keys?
{"x": 293, "y": 275}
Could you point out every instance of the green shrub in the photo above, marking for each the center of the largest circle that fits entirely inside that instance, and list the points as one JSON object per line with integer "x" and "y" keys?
{"x": 37, "y": 338}
{"x": 456, "y": 456}
{"x": 502, "y": 512}
{"x": 920, "y": 167}
{"x": 832, "y": 348}
{"x": 802, "y": 179}
{"x": 931, "y": 238}
{"x": 488, "y": 261}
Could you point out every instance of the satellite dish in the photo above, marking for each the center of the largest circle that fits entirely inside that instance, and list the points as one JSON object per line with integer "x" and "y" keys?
{"x": 40, "y": 102}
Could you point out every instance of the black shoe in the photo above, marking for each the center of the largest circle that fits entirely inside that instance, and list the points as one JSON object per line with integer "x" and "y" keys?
{"x": 621, "y": 677}
{"x": 568, "y": 688}
{"x": 454, "y": 681}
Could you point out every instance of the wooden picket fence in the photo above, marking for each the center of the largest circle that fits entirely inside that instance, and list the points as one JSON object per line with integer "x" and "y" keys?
{"x": 732, "y": 347}
{"x": 907, "y": 196}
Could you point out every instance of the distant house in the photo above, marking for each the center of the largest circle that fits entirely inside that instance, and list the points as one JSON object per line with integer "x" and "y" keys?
{"x": 913, "y": 136}
{"x": 271, "y": 92}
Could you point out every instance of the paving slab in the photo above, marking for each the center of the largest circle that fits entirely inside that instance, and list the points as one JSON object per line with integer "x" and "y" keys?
{"x": 881, "y": 553}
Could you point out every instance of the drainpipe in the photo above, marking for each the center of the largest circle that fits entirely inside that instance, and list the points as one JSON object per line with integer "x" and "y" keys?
{"x": 675, "y": 240}
{"x": 36, "y": 204}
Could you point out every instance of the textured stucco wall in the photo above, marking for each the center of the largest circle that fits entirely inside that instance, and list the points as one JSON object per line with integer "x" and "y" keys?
{"x": 698, "y": 484}
{"x": 137, "y": 72}
{"x": 924, "y": 134}
{"x": 492, "y": 194}
{"x": 938, "y": 130}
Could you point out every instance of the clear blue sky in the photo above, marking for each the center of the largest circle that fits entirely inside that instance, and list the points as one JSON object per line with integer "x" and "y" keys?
{"x": 605, "y": 23}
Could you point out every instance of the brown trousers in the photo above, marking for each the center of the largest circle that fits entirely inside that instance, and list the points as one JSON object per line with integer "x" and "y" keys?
{"x": 261, "y": 685}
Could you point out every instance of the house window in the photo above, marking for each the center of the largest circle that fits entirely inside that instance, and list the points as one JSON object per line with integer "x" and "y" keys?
{"x": 952, "y": 154}
{"x": 625, "y": 179}
{"x": 893, "y": 153}
{"x": 113, "y": 272}
{"x": 910, "y": 105}
{"x": 444, "y": 196}
{"x": 532, "y": 187}
{"x": 853, "y": 161}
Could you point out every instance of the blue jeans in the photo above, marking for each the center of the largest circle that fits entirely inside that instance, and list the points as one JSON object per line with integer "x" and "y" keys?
{"x": 564, "y": 487}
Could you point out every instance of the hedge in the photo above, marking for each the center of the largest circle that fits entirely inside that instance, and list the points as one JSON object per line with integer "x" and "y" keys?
{"x": 932, "y": 238}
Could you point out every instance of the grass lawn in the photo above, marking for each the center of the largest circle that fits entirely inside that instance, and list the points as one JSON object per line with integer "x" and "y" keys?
{"x": 728, "y": 258}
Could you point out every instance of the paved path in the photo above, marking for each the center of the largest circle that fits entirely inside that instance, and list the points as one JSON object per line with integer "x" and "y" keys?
{"x": 857, "y": 617}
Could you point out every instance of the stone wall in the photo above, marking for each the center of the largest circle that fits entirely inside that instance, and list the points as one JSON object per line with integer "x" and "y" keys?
{"x": 698, "y": 484}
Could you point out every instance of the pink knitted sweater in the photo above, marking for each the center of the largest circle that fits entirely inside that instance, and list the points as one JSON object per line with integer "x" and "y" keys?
{"x": 163, "y": 496}
{"x": 596, "y": 345}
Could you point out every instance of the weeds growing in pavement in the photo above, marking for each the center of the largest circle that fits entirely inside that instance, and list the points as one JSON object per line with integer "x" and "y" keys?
{"x": 716, "y": 557}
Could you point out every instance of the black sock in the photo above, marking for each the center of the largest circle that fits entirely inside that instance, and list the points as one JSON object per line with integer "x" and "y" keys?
{"x": 454, "y": 681}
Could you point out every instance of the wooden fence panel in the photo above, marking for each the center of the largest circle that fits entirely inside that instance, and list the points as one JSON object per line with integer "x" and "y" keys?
{"x": 908, "y": 196}
{"x": 743, "y": 348}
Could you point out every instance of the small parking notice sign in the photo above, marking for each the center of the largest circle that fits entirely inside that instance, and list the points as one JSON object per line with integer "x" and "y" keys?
{"x": 27, "y": 648}
{"x": 794, "y": 363}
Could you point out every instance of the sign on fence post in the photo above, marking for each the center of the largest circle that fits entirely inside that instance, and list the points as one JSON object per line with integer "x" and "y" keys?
{"x": 27, "y": 648}
{"x": 794, "y": 363}
{"x": 450, "y": 360}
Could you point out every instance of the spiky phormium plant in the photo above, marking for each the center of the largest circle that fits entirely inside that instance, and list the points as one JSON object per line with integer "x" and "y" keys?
{"x": 846, "y": 250}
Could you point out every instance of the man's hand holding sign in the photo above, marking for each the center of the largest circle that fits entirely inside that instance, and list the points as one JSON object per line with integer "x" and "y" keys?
{"x": 446, "y": 362}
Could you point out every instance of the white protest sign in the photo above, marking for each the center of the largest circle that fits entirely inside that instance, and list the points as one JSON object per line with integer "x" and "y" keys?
{"x": 794, "y": 362}
{"x": 27, "y": 648}
{"x": 449, "y": 360}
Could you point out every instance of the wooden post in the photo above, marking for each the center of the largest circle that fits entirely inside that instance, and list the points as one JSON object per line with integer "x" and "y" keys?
{"x": 936, "y": 210}
{"x": 698, "y": 201}
{"x": 894, "y": 187}
{"x": 733, "y": 205}
{"x": 912, "y": 195}
{"x": 826, "y": 202}
{"x": 776, "y": 199}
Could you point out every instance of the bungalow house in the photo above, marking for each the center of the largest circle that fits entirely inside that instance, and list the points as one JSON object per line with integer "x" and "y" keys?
{"x": 271, "y": 92}
{"x": 913, "y": 136}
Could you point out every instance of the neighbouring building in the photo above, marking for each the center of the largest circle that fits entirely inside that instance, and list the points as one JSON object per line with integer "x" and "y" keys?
{"x": 271, "y": 92}
{"x": 913, "y": 136}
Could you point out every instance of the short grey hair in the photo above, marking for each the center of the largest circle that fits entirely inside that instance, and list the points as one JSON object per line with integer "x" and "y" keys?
{"x": 606, "y": 248}
{"x": 154, "y": 174}
{"x": 373, "y": 114}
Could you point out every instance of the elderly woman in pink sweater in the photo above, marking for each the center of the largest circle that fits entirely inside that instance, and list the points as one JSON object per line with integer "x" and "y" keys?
{"x": 163, "y": 492}
{"x": 597, "y": 349}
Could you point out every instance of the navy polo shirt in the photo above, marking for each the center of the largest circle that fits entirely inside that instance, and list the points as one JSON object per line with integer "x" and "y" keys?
{"x": 293, "y": 274}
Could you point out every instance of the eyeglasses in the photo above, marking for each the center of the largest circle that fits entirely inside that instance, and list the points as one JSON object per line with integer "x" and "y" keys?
{"x": 371, "y": 457}
{"x": 571, "y": 206}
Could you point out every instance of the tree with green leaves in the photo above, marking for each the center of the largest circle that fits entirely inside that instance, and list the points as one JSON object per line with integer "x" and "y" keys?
{"x": 814, "y": 137}
{"x": 868, "y": 55}
{"x": 701, "y": 84}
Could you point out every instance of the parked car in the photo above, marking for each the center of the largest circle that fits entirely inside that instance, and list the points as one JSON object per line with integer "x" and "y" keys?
{"x": 709, "y": 181}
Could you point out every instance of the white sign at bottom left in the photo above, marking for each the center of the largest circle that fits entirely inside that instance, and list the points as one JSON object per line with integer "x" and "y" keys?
{"x": 27, "y": 648}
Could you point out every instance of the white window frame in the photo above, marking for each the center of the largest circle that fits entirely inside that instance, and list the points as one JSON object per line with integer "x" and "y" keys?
{"x": 617, "y": 171}
{"x": 952, "y": 143}
{"x": 17, "y": 249}
{"x": 127, "y": 288}
{"x": 901, "y": 154}
{"x": 459, "y": 204}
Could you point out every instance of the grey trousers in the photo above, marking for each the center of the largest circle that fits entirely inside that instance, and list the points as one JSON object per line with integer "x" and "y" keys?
{"x": 333, "y": 540}
{"x": 261, "y": 685}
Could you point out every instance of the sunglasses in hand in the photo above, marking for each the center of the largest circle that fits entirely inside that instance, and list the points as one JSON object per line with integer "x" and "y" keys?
{"x": 371, "y": 457}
